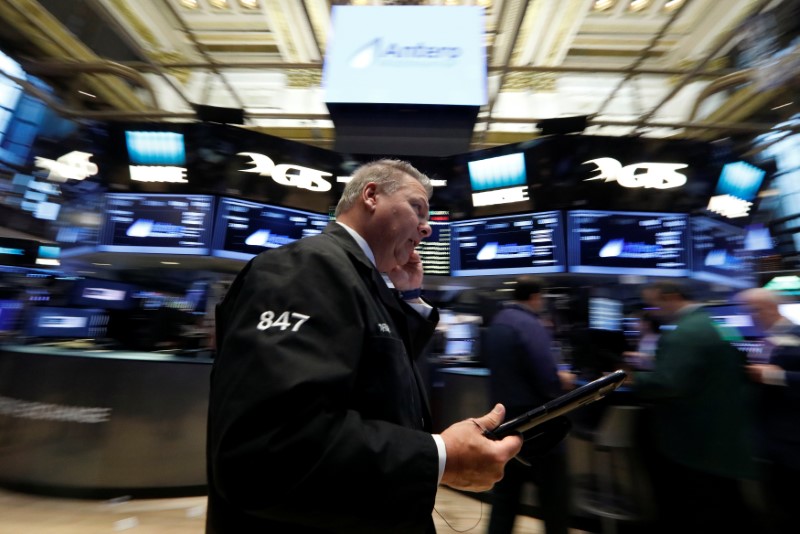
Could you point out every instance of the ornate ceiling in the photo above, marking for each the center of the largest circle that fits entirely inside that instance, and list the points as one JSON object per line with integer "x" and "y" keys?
{"x": 635, "y": 67}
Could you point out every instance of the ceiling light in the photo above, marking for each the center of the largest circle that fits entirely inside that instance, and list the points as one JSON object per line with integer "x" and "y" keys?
{"x": 102, "y": 264}
{"x": 603, "y": 5}
{"x": 190, "y": 4}
{"x": 672, "y": 5}
{"x": 485, "y": 3}
{"x": 219, "y": 4}
{"x": 170, "y": 263}
{"x": 249, "y": 4}
{"x": 84, "y": 93}
{"x": 638, "y": 5}
{"x": 782, "y": 106}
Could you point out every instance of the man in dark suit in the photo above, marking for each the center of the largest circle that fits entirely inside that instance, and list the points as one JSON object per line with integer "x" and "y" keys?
{"x": 524, "y": 374}
{"x": 701, "y": 418}
{"x": 779, "y": 406}
{"x": 318, "y": 420}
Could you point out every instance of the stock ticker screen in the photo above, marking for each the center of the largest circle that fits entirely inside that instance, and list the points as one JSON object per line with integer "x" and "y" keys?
{"x": 157, "y": 223}
{"x": 435, "y": 251}
{"x": 514, "y": 244}
{"x": 244, "y": 228}
{"x": 612, "y": 242}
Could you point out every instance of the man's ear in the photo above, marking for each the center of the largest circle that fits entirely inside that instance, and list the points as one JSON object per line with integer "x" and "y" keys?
{"x": 369, "y": 195}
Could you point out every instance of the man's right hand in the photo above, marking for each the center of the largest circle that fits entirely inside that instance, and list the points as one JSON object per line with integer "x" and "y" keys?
{"x": 475, "y": 462}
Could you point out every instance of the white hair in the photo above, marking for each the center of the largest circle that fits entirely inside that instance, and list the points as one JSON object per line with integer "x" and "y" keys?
{"x": 387, "y": 174}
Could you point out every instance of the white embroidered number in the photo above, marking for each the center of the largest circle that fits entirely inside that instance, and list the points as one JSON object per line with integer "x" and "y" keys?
{"x": 267, "y": 320}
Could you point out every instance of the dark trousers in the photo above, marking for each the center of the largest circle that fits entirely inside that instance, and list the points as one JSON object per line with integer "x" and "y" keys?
{"x": 781, "y": 490}
{"x": 692, "y": 501}
{"x": 550, "y": 476}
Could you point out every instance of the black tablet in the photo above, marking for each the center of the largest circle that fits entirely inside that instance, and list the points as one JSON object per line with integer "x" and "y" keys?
{"x": 576, "y": 398}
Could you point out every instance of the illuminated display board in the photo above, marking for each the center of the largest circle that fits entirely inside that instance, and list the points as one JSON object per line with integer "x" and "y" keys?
{"x": 498, "y": 180}
{"x": 156, "y": 156}
{"x": 157, "y": 223}
{"x": 612, "y": 242}
{"x": 435, "y": 251}
{"x": 66, "y": 322}
{"x": 718, "y": 253}
{"x": 244, "y": 228}
{"x": 514, "y": 244}
{"x": 406, "y": 55}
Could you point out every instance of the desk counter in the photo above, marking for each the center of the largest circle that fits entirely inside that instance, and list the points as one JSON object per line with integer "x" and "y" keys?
{"x": 102, "y": 423}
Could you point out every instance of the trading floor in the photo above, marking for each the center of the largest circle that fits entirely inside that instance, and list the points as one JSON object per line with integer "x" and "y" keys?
{"x": 28, "y": 514}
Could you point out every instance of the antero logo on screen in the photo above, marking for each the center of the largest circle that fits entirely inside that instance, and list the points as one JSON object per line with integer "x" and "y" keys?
{"x": 374, "y": 51}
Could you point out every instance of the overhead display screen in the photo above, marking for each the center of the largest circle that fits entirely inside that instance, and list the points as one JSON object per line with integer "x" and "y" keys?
{"x": 719, "y": 255}
{"x": 612, "y": 242}
{"x": 406, "y": 55}
{"x": 157, "y": 223}
{"x": 435, "y": 251}
{"x": 514, "y": 244}
{"x": 244, "y": 229}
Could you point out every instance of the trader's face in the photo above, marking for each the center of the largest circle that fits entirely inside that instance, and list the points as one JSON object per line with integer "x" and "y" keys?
{"x": 400, "y": 222}
{"x": 762, "y": 313}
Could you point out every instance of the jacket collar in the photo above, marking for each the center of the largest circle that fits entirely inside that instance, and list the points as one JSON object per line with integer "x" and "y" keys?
{"x": 341, "y": 235}
{"x": 362, "y": 263}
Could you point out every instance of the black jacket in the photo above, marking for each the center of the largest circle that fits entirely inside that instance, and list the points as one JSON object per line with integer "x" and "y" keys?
{"x": 518, "y": 348}
{"x": 318, "y": 420}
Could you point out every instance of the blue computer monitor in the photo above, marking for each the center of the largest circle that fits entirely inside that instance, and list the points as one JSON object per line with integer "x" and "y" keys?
{"x": 719, "y": 255}
{"x": 622, "y": 242}
{"x": 66, "y": 323}
{"x": 513, "y": 244}
{"x": 244, "y": 228}
{"x": 157, "y": 223}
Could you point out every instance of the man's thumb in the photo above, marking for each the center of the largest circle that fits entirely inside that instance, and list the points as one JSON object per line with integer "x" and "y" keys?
{"x": 492, "y": 420}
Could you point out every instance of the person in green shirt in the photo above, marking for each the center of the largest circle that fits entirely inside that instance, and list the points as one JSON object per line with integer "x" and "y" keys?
{"x": 701, "y": 411}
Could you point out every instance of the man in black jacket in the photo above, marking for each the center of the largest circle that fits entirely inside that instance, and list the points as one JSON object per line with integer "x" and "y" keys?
{"x": 318, "y": 420}
{"x": 524, "y": 374}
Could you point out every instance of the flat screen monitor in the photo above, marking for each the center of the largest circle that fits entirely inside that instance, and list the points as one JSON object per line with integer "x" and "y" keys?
{"x": 757, "y": 238}
{"x": 514, "y": 244}
{"x": 735, "y": 321}
{"x": 459, "y": 347}
{"x": 498, "y": 180}
{"x": 156, "y": 156}
{"x": 244, "y": 228}
{"x": 106, "y": 294}
{"x": 719, "y": 255}
{"x": 435, "y": 250}
{"x": 197, "y": 296}
{"x": 406, "y": 55}
{"x": 10, "y": 314}
{"x": 157, "y": 223}
{"x": 48, "y": 255}
{"x": 790, "y": 310}
{"x": 18, "y": 252}
{"x": 605, "y": 314}
{"x": 65, "y": 323}
{"x": 616, "y": 242}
